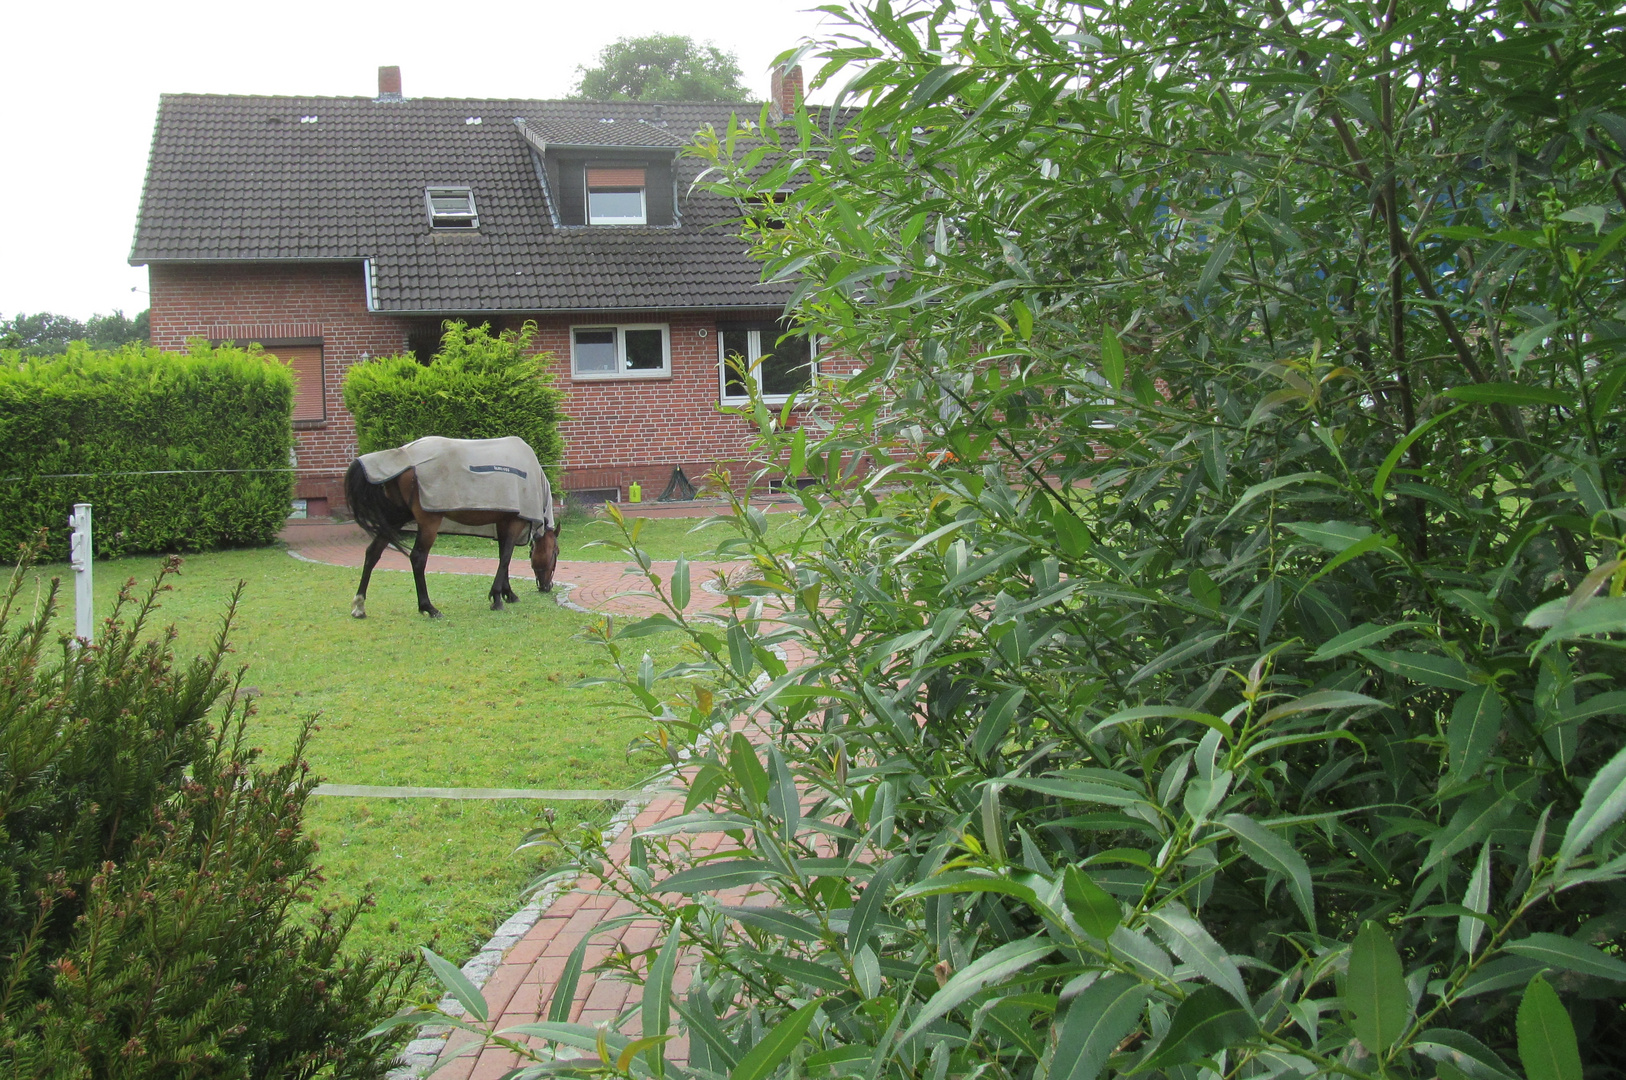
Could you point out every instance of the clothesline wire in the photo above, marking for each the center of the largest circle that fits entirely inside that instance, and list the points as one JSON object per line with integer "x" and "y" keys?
{"x": 190, "y": 472}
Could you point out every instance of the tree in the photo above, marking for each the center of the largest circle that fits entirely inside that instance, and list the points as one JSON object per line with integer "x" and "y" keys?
{"x": 479, "y": 385}
{"x": 116, "y": 330}
{"x": 1215, "y": 584}
{"x": 662, "y": 67}
{"x": 151, "y": 869}
{"x": 47, "y": 334}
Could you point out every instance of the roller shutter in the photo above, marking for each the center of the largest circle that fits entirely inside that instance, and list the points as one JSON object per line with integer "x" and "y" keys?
{"x": 310, "y": 399}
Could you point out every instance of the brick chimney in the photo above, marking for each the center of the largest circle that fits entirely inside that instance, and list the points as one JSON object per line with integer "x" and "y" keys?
{"x": 785, "y": 90}
{"x": 389, "y": 84}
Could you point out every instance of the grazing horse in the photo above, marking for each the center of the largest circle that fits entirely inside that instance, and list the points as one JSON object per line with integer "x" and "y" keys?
{"x": 383, "y": 508}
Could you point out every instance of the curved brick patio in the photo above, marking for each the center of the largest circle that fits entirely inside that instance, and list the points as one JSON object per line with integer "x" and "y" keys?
{"x": 520, "y": 964}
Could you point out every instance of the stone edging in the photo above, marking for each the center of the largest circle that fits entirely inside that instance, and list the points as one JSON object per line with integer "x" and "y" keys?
{"x": 420, "y": 1055}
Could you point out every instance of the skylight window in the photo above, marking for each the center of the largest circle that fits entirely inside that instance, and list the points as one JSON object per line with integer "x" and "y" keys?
{"x": 473, "y": 120}
{"x": 763, "y": 211}
{"x": 451, "y": 208}
{"x": 615, "y": 196}
{"x": 309, "y": 119}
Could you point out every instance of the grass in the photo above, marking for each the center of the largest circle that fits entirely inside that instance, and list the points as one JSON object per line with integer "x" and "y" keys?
{"x": 659, "y": 537}
{"x": 478, "y": 699}
{"x": 439, "y": 871}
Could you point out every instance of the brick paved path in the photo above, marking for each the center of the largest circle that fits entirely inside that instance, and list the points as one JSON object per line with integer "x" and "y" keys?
{"x": 519, "y": 966}
{"x": 519, "y": 990}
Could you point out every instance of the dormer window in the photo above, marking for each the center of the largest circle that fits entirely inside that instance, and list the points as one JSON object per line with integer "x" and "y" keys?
{"x": 615, "y": 196}
{"x": 451, "y": 208}
{"x": 763, "y": 210}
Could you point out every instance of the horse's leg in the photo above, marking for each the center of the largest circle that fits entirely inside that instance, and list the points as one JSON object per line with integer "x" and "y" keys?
{"x": 505, "y": 551}
{"x": 499, "y": 579}
{"x": 358, "y": 607}
{"x": 428, "y": 529}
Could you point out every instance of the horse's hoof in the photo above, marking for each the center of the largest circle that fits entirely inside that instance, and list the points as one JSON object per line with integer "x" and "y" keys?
{"x": 433, "y": 613}
{"x": 496, "y": 605}
{"x": 358, "y": 608}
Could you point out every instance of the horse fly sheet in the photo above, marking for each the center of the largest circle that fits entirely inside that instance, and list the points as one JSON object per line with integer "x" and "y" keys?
{"x": 470, "y": 474}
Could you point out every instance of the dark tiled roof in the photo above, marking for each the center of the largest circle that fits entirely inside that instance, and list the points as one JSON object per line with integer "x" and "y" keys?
{"x": 268, "y": 178}
{"x": 605, "y": 131}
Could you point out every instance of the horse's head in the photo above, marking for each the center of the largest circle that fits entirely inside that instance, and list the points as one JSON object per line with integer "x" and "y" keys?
{"x": 545, "y": 557}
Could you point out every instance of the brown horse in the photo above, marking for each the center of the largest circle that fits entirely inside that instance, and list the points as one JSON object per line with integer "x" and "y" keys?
{"x": 382, "y": 509}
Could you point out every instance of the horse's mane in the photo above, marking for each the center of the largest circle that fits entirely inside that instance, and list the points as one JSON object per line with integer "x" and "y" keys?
{"x": 374, "y": 511}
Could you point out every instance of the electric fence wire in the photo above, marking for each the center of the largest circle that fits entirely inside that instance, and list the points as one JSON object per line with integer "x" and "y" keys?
{"x": 193, "y": 472}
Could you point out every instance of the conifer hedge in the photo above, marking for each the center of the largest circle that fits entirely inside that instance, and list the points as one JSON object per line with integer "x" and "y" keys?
{"x": 152, "y": 871}
{"x": 139, "y": 410}
{"x": 479, "y": 386}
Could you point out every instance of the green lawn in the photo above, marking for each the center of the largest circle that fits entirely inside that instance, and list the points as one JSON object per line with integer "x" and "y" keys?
{"x": 478, "y": 699}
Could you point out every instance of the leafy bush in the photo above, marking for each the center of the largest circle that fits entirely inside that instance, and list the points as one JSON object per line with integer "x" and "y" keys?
{"x": 478, "y": 386}
{"x": 73, "y": 426}
{"x": 1228, "y": 685}
{"x": 148, "y": 867}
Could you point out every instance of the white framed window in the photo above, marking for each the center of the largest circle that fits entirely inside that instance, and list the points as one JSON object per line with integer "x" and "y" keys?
{"x": 781, "y": 365}
{"x": 451, "y": 208}
{"x": 615, "y": 196}
{"x": 632, "y": 351}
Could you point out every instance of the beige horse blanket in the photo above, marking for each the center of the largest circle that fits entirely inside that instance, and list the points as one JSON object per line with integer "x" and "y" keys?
{"x": 470, "y": 474}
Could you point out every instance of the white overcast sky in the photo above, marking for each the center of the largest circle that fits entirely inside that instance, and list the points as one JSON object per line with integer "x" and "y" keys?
{"x": 80, "y": 83}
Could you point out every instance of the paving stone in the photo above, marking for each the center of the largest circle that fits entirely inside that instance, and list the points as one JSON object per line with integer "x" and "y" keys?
{"x": 606, "y": 994}
{"x": 562, "y": 942}
{"x": 502, "y": 986}
{"x": 526, "y": 951}
{"x": 494, "y": 1063}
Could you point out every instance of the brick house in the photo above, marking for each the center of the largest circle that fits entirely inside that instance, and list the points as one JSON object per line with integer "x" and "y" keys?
{"x": 331, "y": 230}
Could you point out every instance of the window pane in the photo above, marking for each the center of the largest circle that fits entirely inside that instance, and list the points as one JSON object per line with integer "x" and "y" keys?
{"x": 644, "y": 352}
{"x": 595, "y": 352}
{"x": 789, "y": 368}
{"x": 736, "y": 351}
{"x": 615, "y": 206}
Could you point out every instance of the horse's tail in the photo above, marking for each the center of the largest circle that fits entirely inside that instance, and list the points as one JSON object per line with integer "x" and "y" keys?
{"x": 373, "y": 510}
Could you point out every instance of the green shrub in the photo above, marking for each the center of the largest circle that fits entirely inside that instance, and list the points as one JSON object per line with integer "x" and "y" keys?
{"x": 478, "y": 386}
{"x": 148, "y": 865}
{"x": 140, "y": 410}
{"x": 1229, "y": 684}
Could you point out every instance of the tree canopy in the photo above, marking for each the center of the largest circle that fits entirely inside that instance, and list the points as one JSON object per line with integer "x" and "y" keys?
{"x": 662, "y": 67}
{"x": 47, "y": 334}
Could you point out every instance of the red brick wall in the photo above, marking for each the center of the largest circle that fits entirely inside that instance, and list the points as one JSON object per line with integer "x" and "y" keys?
{"x": 626, "y": 430}
{"x": 618, "y": 431}
{"x": 283, "y": 300}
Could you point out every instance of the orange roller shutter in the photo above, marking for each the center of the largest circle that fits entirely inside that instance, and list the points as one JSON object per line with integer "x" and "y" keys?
{"x": 615, "y": 178}
{"x": 306, "y": 360}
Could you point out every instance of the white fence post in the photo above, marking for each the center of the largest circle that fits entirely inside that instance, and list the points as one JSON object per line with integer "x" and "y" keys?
{"x": 79, "y": 557}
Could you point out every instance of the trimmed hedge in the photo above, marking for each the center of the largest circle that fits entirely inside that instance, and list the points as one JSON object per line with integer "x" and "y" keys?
{"x": 480, "y": 386}
{"x": 141, "y": 410}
